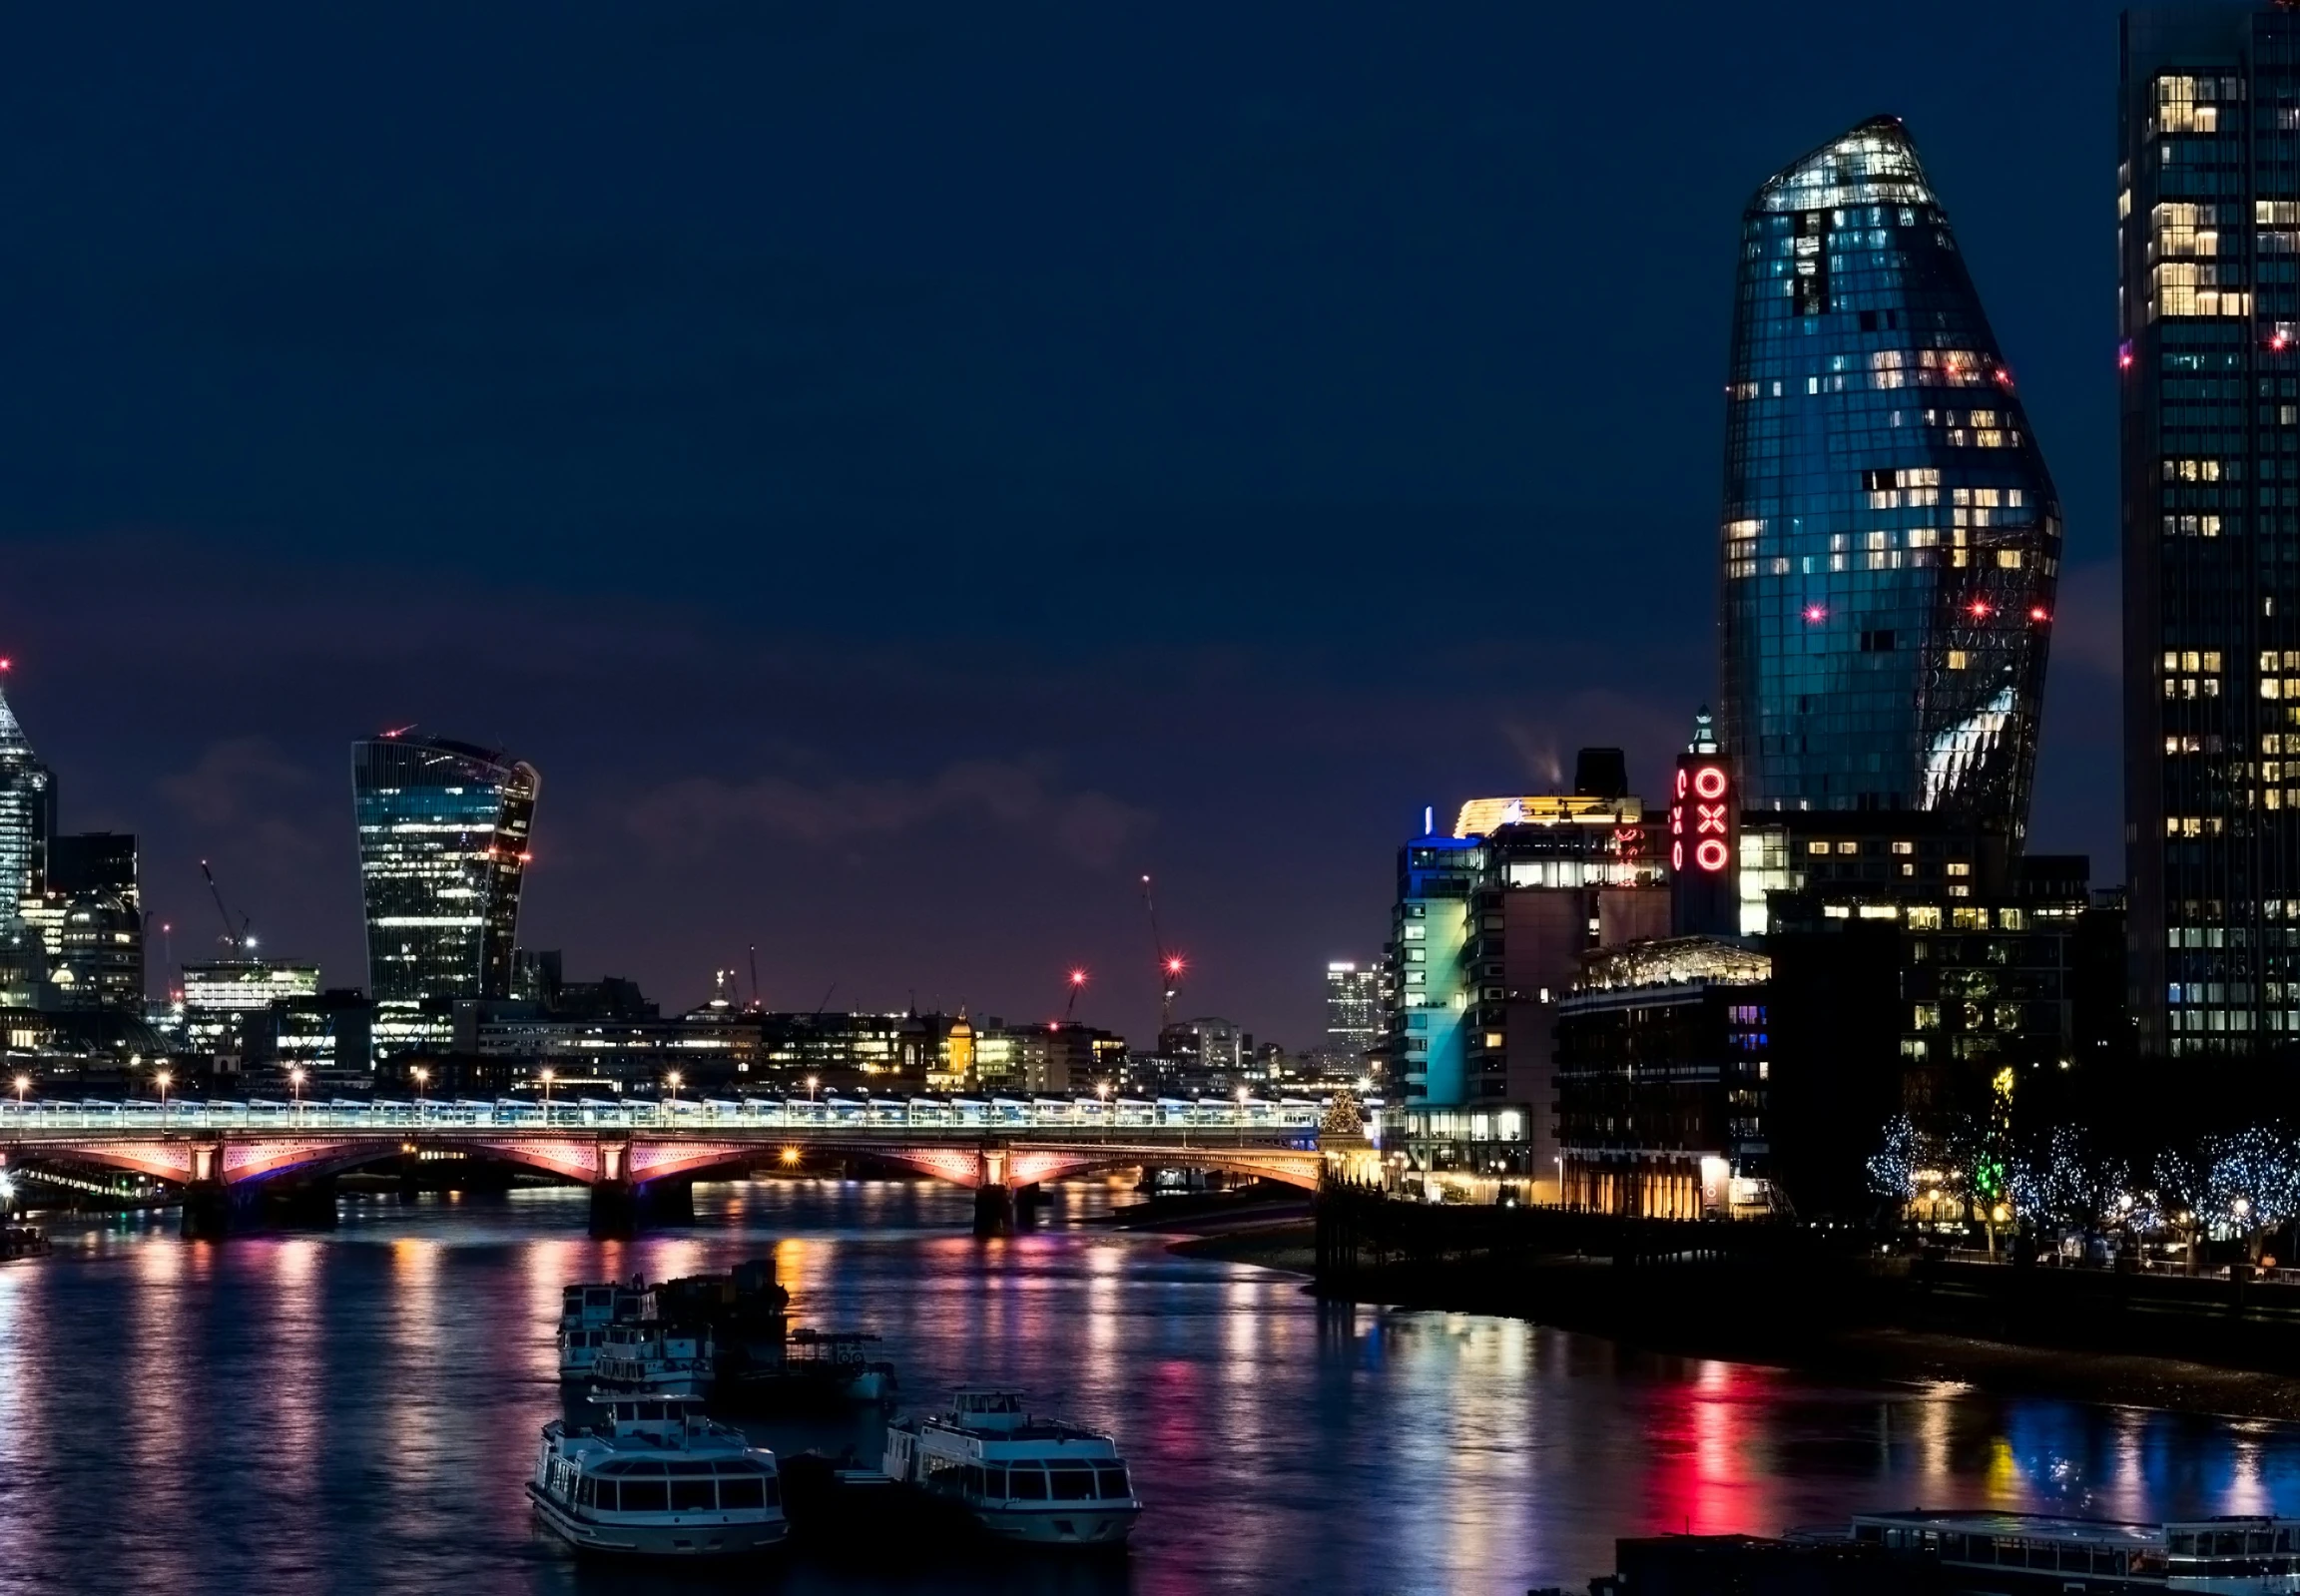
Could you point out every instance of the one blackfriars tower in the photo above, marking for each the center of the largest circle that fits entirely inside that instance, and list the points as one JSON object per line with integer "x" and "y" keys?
{"x": 1891, "y": 539}
{"x": 444, "y": 831}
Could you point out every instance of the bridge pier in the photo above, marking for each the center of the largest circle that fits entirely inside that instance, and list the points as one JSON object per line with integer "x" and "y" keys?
{"x": 206, "y": 1212}
{"x": 994, "y": 1210}
{"x": 621, "y": 1208}
{"x": 1027, "y": 1201}
{"x": 213, "y": 1210}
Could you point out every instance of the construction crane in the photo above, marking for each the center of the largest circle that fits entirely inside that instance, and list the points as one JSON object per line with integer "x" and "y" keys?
{"x": 240, "y": 941}
{"x": 1077, "y": 985}
{"x": 755, "y": 1006}
{"x": 1170, "y": 965}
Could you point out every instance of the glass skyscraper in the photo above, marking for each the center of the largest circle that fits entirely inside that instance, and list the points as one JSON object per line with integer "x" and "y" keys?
{"x": 27, "y": 815}
{"x": 443, "y": 845}
{"x": 2208, "y": 244}
{"x": 1891, "y": 539}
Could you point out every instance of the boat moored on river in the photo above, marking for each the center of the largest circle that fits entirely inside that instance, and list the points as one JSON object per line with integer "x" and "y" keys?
{"x": 1976, "y": 1553}
{"x": 658, "y": 1479}
{"x": 651, "y": 1360}
{"x": 586, "y": 1310}
{"x": 1021, "y": 1477}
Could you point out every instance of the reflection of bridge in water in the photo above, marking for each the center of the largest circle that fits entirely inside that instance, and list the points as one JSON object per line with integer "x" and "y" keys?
{"x": 641, "y": 1159}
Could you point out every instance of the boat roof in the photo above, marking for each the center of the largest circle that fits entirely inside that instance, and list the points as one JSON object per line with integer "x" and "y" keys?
{"x": 2030, "y": 1526}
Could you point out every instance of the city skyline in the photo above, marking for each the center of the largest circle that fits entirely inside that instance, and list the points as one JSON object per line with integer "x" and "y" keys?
{"x": 1090, "y": 638}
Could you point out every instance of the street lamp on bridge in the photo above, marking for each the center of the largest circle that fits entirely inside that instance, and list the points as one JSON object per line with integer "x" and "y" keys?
{"x": 161, "y": 1078}
{"x": 546, "y": 1076}
{"x": 295, "y": 1086}
{"x": 23, "y": 1084}
{"x": 671, "y": 1080}
{"x": 420, "y": 1075}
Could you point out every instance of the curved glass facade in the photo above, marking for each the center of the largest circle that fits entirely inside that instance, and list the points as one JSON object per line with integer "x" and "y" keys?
{"x": 1891, "y": 540}
{"x": 443, "y": 839}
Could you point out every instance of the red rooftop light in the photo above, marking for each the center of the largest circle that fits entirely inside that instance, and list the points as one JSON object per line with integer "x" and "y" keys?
{"x": 2037, "y": 613}
{"x": 1814, "y": 612}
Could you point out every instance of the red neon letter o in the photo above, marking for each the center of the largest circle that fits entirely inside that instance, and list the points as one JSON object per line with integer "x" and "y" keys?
{"x": 1709, "y": 782}
{"x": 1710, "y": 856}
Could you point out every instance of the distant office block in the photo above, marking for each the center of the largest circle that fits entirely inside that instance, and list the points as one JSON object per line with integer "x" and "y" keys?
{"x": 444, "y": 831}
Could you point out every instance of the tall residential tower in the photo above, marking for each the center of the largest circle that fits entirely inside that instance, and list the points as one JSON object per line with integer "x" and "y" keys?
{"x": 1891, "y": 538}
{"x": 2208, "y": 241}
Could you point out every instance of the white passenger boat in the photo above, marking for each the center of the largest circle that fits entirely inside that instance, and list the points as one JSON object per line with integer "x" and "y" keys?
{"x": 651, "y": 1360}
{"x": 1023, "y": 1479}
{"x": 586, "y": 1310}
{"x": 658, "y": 1479}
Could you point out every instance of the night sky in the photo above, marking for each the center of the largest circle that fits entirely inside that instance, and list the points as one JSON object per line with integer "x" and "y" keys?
{"x": 903, "y": 470}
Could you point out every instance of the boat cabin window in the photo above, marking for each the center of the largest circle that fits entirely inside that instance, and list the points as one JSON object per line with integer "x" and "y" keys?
{"x": 1073, "y": 1482}
{"x": 2183, "y": 1543}
{"x": 650, "y": 1410}
{"x": 604, "y": 1297}
{"x": 973, "y": 1481}
{"x": 994, "y": 1481}
{"x": 1026, "y": 1482}
{"x": 990, "y": 1402}
{"x": 1114, "y": 1486}
{"x": 586, "y": 1492}
{"x": 750, "y": 1491}
{"x": 645, "y": 1496}
{"x": 693, "y": 1495}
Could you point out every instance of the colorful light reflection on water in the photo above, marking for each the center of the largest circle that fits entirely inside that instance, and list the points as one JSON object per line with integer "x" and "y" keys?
{"x": 355, "y": 1411}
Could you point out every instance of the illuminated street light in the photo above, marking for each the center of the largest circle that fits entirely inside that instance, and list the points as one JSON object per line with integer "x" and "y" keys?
{"x": 422, "y": 1075}
{"x": 161, "y": 1079}
{"x": 789, "y": 1155}
{"x": 671, "y": 1080}
{"x": 296, "y": 1084}
{"x": 545, "y": 1077}
{"x": 23, "y": 1084}
{"x": 812, "y": 1083}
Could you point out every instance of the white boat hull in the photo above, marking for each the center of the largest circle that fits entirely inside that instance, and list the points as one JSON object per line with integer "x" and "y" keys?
{"x": 673, "y": 1535}
{"x": 1087, "y": 1525}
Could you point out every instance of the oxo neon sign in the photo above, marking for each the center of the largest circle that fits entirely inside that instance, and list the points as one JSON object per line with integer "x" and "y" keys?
{"x": 1701, "y": 813}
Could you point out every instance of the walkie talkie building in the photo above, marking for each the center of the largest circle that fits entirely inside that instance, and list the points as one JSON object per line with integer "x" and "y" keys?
{"x": 444, "y": 848}
{"x": 1891, "y": 540}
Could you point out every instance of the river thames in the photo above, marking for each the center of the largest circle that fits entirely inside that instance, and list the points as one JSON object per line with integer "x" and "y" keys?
{"x": 355, "y": 1410}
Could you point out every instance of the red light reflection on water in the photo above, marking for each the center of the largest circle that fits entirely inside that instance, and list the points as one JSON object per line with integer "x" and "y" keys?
{"x": 1707, "y": 1472}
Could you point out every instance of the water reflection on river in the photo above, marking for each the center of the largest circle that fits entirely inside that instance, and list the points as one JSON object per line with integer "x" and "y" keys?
{"x": 355, "y": 1411}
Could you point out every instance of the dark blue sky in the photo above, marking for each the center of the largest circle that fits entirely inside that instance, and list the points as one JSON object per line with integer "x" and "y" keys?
{"x": 903, "y": 470}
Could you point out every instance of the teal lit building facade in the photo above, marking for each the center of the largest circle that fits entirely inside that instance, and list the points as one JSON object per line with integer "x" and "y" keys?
{"x": 1430, "y": 932}
{"x": 445, "y": 832}
{"x": 1891, "y": 538}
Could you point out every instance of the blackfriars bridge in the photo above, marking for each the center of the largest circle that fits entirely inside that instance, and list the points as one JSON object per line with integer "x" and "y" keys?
{"x": 234, "y": 1161}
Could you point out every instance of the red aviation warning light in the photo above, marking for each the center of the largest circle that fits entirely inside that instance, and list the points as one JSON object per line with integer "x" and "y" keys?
{"x": 2038, "y": 614}
{"x": 1980, "y": 609}
{"x": 1814, "y": 612}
